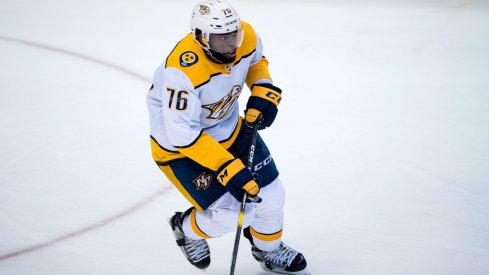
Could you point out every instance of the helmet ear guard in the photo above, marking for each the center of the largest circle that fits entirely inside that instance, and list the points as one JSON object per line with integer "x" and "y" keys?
{"x": 199, "y": 37}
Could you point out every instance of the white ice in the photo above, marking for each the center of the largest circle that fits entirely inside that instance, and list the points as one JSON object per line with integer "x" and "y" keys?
{"x": 382, "y": 138}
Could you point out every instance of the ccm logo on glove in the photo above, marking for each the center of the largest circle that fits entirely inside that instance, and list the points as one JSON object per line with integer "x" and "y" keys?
{"x": 264, "y": 100}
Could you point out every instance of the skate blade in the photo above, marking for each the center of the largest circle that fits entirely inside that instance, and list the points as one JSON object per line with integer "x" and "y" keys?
{"x": 302, "y": 272}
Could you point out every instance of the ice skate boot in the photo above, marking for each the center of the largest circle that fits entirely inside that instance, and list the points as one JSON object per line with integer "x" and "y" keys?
{"x": 284, "y": 260}
{"x": 196, "y": 251}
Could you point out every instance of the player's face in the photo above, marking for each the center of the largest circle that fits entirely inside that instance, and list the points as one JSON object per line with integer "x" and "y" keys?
{"x": 227, "y": 43}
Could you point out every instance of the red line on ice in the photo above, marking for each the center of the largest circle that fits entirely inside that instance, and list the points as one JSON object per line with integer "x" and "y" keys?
{"x": 88, "y": 228}
{"x": 78, "y": 55}
{"x": 110, "y": 219}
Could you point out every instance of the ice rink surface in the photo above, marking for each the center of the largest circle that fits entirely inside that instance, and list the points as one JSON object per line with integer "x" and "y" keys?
{"x": 382, "y": 138}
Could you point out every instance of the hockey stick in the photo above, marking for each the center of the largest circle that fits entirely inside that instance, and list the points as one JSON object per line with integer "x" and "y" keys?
{"x": 251, "y": 154}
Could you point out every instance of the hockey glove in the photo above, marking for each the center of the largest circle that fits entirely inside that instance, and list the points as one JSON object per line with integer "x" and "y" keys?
{"x": 264, "y": 100}
{"x": 237, "y": 179}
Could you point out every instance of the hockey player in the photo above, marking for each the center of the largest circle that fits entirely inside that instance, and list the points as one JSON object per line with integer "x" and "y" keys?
{"x": 200, "y": 142}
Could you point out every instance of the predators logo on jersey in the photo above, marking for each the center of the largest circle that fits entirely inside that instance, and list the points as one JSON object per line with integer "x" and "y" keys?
{"x": 188, "y": 58}
{"x": 221, "y": 108}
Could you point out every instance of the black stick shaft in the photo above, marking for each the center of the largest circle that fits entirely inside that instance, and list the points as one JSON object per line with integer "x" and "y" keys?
{"x": 251, "y": 154}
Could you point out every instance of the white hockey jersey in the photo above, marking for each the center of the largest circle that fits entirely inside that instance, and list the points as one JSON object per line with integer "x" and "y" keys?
{"x": 193, "y": 104}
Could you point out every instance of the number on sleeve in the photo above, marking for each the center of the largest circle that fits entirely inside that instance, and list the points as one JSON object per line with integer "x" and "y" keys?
{"x": 181, "y": 102}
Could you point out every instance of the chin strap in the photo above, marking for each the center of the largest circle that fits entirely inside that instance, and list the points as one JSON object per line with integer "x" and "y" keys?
{"x": 212, "y": 58}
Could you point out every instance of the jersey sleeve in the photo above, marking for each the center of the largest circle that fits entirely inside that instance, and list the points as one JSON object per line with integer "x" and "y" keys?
{"x": 181, "y": 110}
{"x": 259, "y": 66}
{"x": 180, "y": 107}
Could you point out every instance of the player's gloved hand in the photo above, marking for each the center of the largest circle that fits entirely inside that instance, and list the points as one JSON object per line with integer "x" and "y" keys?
{"x": 237, "y": 179}
{"x": 264, "y": 100}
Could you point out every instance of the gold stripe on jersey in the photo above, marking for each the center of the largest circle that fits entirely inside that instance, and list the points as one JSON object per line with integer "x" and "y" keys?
{"x": 162, "y": 155}
{"x": 171, "y": 176}
{"x": 204, "y": 69}
{"x": 195, "y": 227}
{"x": 211, "y": 159}
{"x": 266, "y": 237}
{"x": 258, "y": 71}
{"x": 207, "y": 152}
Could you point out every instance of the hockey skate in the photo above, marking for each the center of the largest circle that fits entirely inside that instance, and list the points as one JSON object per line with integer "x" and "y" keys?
{"x": 196, "y": 251}
{"x": 284, "y": 260}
